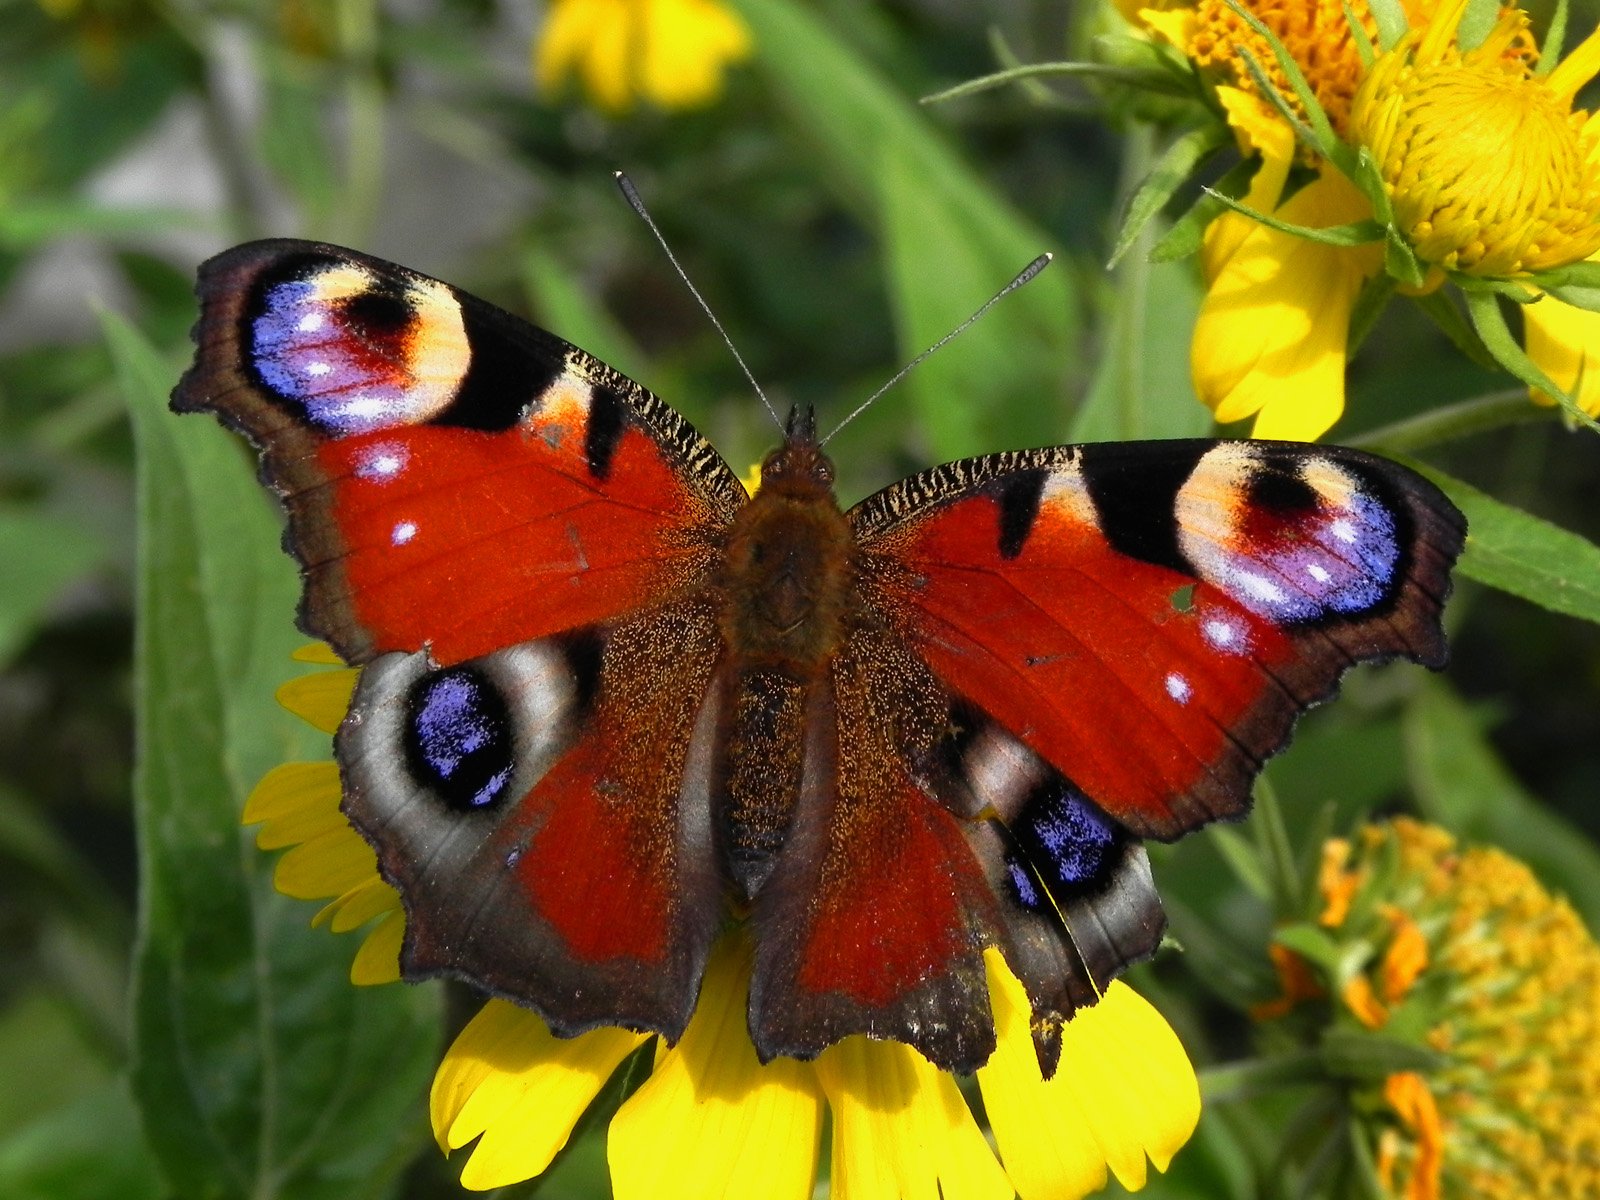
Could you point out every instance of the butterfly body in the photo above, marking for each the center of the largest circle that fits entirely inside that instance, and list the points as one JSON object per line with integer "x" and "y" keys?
{"x": 611, "y": 704}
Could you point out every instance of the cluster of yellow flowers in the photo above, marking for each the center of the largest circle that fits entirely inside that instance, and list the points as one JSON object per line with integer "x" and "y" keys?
{"x": 1461, "y": 953}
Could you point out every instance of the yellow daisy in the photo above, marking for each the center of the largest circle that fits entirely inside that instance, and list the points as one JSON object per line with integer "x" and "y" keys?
{"x": 1461, "y": 953}
{"x": 710, "y": 1119}
{"x": 1484, "y": 168}
{"x": 671, "y": 53}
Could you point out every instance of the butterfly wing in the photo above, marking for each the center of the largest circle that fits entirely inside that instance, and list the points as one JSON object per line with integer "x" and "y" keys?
{"x": 453, "y": 476}
{"x": 1069, "y": 650}
{"x": 516, "y": 541}
{"x": 1150, "y": 618}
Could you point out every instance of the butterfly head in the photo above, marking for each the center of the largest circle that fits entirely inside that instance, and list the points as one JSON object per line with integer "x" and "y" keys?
{"x": 799, "y": 465}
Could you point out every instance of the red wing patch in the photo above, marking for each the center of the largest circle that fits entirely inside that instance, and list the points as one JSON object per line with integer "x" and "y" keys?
{"x": 877, "y": 912}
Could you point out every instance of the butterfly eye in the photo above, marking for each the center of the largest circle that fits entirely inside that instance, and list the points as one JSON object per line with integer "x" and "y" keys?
{"x": 458, "y": 737}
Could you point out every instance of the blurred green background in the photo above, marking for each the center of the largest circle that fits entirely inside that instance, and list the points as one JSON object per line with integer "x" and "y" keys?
{"x": 837, "y": 227}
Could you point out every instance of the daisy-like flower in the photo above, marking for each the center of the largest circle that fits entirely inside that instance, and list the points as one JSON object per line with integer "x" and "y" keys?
{"x": 710, "y": 1119}
{"x": 670, "y": 53}
{"x": 1475, "y": 163}
{"x": 1461, "y": 953}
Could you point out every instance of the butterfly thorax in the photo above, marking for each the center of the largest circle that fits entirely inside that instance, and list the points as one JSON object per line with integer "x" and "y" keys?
{"x": 789, "y": 574}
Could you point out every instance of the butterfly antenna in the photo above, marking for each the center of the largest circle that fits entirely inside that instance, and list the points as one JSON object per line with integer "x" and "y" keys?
{"x": 1025, "y": 275}
{"x": 631, "y": 194}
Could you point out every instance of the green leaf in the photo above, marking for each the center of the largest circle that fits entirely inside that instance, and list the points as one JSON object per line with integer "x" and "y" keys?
{"x": 1586, "y": 298}
{"x": 260, "y": 1071}
{"x": 47, "y": 553}
{"x": 1170, "y": 173}
{"x": 1461, "y": 783}
{"x": 951, "y": 242}
{"x": 567, "y": 308}
{"x": 1356, "y": 233}
{"x": 89, "y": 1150}
{"x": 1555, "y": 36}
{"x": 1525, "y": 555}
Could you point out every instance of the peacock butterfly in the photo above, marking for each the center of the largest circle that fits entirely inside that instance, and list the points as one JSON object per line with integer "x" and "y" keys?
{"x": 610, "y": 703}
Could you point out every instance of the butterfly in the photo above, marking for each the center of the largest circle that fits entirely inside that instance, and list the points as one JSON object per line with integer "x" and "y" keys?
{"x": 610, "y": 704}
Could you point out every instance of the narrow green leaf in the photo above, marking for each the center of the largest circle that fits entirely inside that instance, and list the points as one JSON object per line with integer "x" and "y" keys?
{"x": 1372, "y": 1057}
{"x": 884, "y": 158}
{"x": 1169, "y": 174}
{"x": 1356, "y": 233}
{"x": 1365, "y": 50}
{"x": 1525, "y": 555}
{"x": 1188, "y": 231}
{"x": 46, "y": 554}
{"x": 1484, "y": 310}
{"x": 1243, "y": 857}
{"x": 260, "y": 1071}
{"x": 1461, "y": 782}
{"x": 1400, "y": 260}
{"x": 1555, "y": 37}
{"x": 1583, "y": 274}
{"x": 1586, "y": 298}
{"x": 1148, "y": 79}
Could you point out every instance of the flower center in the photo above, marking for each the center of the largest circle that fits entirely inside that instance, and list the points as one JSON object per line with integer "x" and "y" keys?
{"x": 1316, "y": 35}
{"x": 1487, "y": 167}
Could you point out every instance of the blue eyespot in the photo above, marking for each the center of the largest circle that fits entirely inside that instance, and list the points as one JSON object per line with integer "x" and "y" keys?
{"x": 458, "y": 737}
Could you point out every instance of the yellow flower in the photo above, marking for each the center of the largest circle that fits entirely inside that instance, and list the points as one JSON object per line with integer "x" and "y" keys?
{"x": 1462, "y": 952}
{"x": 1486, "y": 166}
{"x": 1489, "y": 170}
{"x": 671, "y": 53}
{"x": 710, "y": 1119}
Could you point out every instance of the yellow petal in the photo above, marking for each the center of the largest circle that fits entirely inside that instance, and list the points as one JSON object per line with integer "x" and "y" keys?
{"x": 292, "y": 789}
{"x": 1574, "y": 71}
{"x": 614, "y": 48}
{"x": 510, "y": 1082}
{"x": 359, "y": 905}
{"x": 569, "y": 27}
{"x": 378, "y": 959}
{"x": 901, "y": 1130}
{"x": 317, "y": 652}
{"x": 1125, "y": 1091}
{"x": 1271, "y": 334}
{"x": 687, "y": 45}
{"x": 1260, "y": 130}
{"x": 327, "y": 865}
{"x": 321, "y": 698}
{"x": 711, "y": 1120}
{"x": 1565, "y": 342}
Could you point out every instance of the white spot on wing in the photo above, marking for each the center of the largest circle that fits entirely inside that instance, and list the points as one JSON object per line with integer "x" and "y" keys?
{"x": 1343, "y": 530}
{"x": 404, "y": 532}
{"x": 1178, "y": 688}
{"x": 317, "y": 368}
{"x": 1258, "y": 587}
{"x": 1319, "y": 573}
{"x": 310, "y": 323}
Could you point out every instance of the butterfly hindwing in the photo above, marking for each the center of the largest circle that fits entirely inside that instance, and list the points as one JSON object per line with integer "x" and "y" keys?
{"x": 453, "y": 476}
{"x": 1150, "y": 618}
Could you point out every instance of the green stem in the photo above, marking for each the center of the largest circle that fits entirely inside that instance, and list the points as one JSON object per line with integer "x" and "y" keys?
{"x": 358, "y": 40}
{"x": 1253, "y": 1076}
{"x": 1481, "y": 414}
